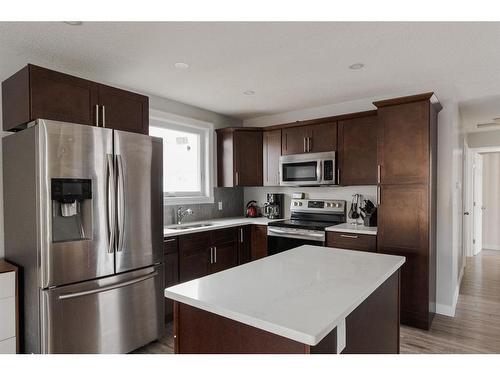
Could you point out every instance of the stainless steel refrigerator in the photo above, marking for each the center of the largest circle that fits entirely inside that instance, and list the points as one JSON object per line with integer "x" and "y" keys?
{"x": 83, "y": 212}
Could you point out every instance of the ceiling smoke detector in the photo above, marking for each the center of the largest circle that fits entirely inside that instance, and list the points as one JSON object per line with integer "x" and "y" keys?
{"x": 181, "y": 65}
{"x": 249, "y": 92}
{"x": 356, "y": 66}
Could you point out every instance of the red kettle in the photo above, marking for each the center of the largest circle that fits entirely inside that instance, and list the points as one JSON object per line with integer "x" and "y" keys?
{"x": 252, "y": 209}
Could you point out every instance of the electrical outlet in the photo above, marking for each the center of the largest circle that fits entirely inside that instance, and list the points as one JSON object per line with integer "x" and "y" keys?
{"x": 220, "y": 206}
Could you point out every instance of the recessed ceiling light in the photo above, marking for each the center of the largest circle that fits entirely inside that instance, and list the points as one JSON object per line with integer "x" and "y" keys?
{"x": 181, "y": 65}
{"x": 73, "y": 23}
{"x": 356, "y": 66}
{"x": 249, "y": 92}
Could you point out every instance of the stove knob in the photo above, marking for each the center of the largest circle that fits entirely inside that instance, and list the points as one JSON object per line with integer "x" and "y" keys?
{"x": 328, "y": 204}
{"x": 295, "y": 204}
{"x": 300, "y": 203}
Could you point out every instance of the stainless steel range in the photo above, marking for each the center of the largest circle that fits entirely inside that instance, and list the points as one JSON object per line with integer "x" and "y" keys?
{"x": 307, "y": 224}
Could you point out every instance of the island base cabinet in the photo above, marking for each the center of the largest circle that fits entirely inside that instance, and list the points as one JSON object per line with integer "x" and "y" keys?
{"x": 372, "y": 328}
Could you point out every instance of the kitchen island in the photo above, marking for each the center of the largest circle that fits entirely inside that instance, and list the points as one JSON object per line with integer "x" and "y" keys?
{"x": 309, "y": 299}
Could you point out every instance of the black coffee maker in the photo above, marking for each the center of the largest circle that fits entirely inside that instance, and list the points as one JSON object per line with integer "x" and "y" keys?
{"x": 275, "y": 205}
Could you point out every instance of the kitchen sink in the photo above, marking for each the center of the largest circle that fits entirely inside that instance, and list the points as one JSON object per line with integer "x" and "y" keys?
{"x": 190, "y": 226}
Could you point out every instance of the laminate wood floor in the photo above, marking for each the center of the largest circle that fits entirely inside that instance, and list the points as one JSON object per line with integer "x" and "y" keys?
{"x": 474, "y": 329}
{"x": 476, "y": 325}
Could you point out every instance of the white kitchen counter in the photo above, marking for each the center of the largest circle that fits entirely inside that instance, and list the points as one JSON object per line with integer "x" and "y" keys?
{"x": 352, "y": 228}
{"x": 217, "y": 224}
{"x": 301, "y": 294}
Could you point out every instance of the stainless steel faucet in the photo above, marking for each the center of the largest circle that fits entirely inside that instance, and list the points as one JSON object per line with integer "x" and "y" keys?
{"x": 181, "y": 214}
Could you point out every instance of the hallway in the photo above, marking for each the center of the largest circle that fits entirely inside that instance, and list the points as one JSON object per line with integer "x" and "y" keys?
{"x": 476, "y": 325}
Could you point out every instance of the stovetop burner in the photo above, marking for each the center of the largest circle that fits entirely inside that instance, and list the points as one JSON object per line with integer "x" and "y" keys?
{"x": 314, "y": 214}
{"x": 304, "y": 224}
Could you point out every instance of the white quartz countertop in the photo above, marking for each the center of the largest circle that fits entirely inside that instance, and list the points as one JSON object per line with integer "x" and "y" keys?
{"x": 168, "y": 231}
{"x": 352, "y": 228}
{"x": 301, "y": 294}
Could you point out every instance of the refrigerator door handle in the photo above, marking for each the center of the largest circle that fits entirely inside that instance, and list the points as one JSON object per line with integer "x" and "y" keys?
{"x": 109, "y": 287}
{"x": 120, "y": 202}
{"x": 111, "y": 203}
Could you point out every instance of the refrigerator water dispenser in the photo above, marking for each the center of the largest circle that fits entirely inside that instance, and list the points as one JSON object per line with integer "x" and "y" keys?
{"x": 71, "y": 209}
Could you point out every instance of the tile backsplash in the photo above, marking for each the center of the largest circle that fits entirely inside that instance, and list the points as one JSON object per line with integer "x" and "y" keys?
{"x": 232, "y": 205}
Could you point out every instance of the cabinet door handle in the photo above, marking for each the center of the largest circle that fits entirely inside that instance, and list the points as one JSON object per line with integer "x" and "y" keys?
{"x": 378, "y": 174}
{"x": 97, "y": 115}
{"x": 215, "y": 254}
{"x": 103, "y": 116}
{"x": 211, "y": 255}
{"x": 305, "y": 143}
{"x": 379, "y": 196}
{"x": 241, "y": 235}
{"x": 170, "y": 240}
{"x": 237, "y": 178}
{"x": 309, "y": 142}
{"x": 338, "y": 176}
{"x": 348, "y": 236}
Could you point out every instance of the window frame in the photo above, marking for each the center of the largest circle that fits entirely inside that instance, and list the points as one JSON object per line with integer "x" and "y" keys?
{"x": 207, "y": 170}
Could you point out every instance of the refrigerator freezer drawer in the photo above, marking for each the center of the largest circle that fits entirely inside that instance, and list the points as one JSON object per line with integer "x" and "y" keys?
{"x": 116, "y": 314}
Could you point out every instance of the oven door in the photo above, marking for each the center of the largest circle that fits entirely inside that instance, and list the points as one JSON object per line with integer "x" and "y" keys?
{"x": 282, "y": 239}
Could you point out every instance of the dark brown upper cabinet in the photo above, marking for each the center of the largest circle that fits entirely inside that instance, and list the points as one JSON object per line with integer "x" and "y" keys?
{"x": 35, "y": 92}
{"x": 404, "y": 141}
{"x": 271, "y": 157}
{"x": 357, "y": 157}
{"x": 309, "y": 138}
{"x": 124, "y": 110}
{"x": 239, "y": 157}
{"x": 322, "y": 137}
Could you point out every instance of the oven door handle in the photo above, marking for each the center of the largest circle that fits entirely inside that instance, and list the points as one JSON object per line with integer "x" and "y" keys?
{"x": 319, "y": 171}
{"x": 320, "y": 237}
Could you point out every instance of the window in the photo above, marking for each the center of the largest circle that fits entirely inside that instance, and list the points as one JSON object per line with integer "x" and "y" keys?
{"x": 187, "y": 158}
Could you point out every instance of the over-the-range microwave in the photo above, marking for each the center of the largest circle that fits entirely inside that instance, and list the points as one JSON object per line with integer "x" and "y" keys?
{"x": 308, "y": 169}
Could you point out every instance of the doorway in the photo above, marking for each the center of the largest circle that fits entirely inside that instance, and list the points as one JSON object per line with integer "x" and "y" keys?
{"x": 481, "y": 200}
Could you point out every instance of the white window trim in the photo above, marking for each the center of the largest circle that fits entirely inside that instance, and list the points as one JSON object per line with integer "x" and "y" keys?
{"x": 208, "y": 171}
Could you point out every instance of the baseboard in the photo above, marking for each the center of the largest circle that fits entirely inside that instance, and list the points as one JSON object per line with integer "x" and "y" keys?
{"x": 449, "y": 310}
{"x": 491, "y": 247}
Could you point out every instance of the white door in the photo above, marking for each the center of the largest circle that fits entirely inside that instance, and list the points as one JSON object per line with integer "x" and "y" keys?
{"x": 478, "y": 203}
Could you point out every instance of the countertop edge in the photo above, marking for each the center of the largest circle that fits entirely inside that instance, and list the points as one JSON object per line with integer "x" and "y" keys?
{"x": 371, "y": 231}
{"x": 302, "y": 337}
{"x": 219, "y": 224}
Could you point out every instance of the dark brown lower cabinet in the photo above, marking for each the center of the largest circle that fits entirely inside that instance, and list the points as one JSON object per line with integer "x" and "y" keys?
{"x": 203, "y": 253}
{"x": 244, "y": 244}
{"x": 352, "y": 241}
{"x": 171, "y": 271}
{"x": 224, "y": 249}
{"x": 404, "y": 229}
{"x": 259, "y": 241}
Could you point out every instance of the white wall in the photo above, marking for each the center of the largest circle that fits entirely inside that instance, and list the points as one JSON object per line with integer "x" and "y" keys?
{"x": 484, "y": 139}
{"x": 449, "y": 200}
{"x": 491, "y": 200}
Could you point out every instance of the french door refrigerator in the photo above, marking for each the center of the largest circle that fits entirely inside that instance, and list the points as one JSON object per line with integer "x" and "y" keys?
{"x": 83, "y": 212}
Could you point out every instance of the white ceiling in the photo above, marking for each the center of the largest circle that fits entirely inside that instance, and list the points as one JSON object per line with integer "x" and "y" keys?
{"x": 289, "y": 65}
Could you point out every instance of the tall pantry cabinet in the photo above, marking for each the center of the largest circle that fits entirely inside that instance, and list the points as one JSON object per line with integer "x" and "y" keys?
{"x": 407, "y": 162}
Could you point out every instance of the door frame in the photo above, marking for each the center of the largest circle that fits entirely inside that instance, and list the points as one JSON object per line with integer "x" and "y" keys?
{"x": 477, "y": 203}
{"x": 468, "y": 227}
